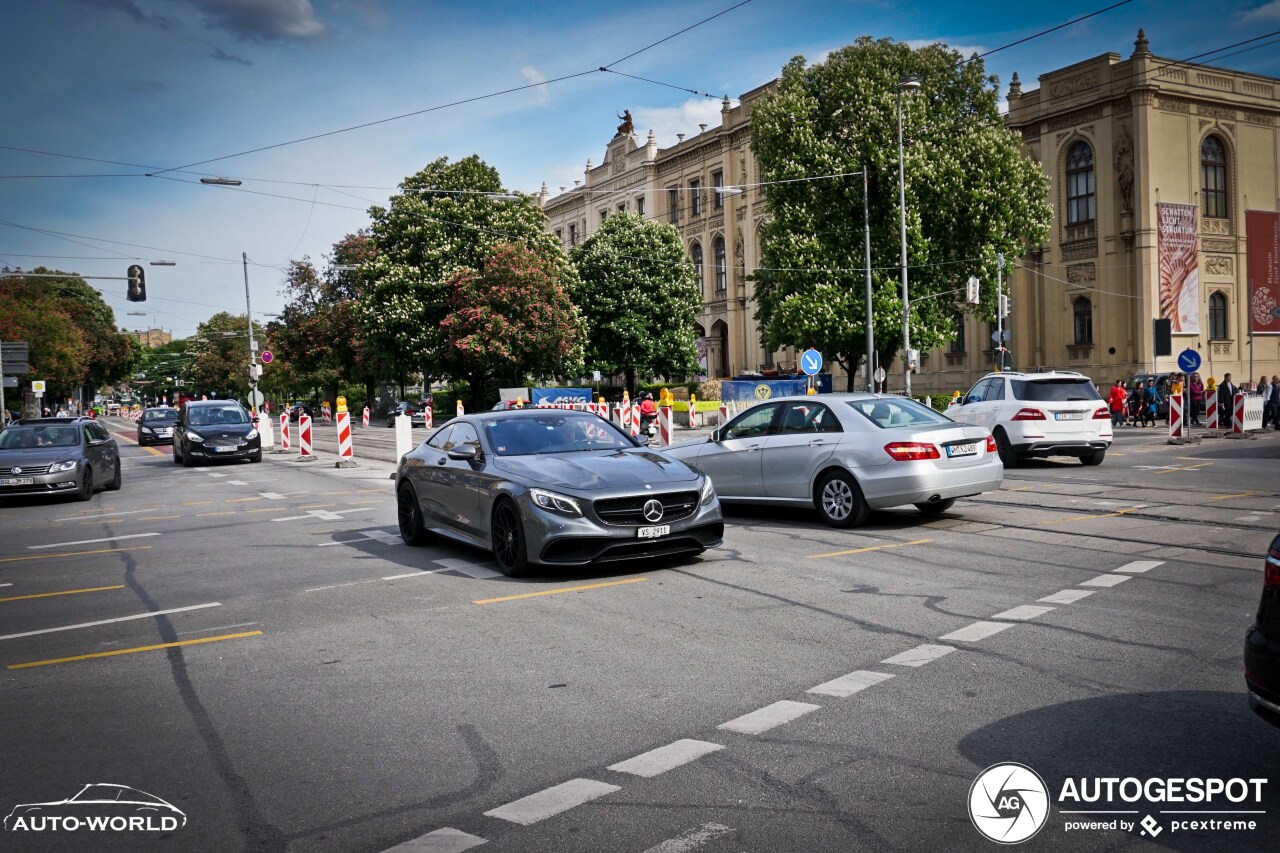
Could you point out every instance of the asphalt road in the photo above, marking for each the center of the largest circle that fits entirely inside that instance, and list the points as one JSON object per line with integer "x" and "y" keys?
{"x": 265, "y": 656}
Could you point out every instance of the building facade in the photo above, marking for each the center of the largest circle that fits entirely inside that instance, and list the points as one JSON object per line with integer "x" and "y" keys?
{"x": 151, "y": 338}
{"x": 1126, "y": 143}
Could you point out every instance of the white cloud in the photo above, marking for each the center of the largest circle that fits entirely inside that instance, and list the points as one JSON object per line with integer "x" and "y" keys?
{"x": 1266, "y": 13}
{"x": 532, "y": 75}
{"x": 966, "y": 50}
{"x": 666, "y": 122}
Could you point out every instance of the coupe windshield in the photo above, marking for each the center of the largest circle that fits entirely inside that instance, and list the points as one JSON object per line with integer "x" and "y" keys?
{"x": 558, "y": 433}
{"x": 891, "y": 412}
{"x": 206, "y": 415}
{"x": 33, "y": 436}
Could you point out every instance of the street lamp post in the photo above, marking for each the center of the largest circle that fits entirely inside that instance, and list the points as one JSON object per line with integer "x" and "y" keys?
{"x": 253, "y": 345}
{"x": 871, "y": 334}
{"x": 904, "y": 84}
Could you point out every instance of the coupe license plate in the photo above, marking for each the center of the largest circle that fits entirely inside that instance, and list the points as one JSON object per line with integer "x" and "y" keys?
{"x": 1069, "y": 416}
{"x": 653, "y": 532}
{"x": 962, "y": 449}
{"x": 17, "y": 481}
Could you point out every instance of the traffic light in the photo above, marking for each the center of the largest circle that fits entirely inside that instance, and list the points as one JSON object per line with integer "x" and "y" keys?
{"x": 1003, "y": 306}
{"x": 972, "y": 290}
{"x": 137, "y": 284}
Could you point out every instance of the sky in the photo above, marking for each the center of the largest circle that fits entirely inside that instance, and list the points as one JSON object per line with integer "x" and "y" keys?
{"x": 185, "y": 85}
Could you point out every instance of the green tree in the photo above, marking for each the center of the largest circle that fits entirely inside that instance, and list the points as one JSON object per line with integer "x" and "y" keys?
{"x": 512, "y": 319}
{"x": 442, "y": 221}
{"x": 639, "y": 294}
{"x": 220, "y": 356}
{"x": 57, "y": 349}
{"x": 970, "y": 194}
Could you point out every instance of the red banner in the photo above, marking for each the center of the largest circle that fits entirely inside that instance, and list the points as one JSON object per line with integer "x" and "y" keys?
{"x": 1180, "y": 267}
{"x": 1262, "y": 229}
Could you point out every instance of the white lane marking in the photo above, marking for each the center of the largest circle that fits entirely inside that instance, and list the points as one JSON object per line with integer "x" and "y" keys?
{"x": 1137, "y": 567}
{"x": 1067, "y": 596}
{"x": 324, "y": 514}
{"x": 147, "y": 615}
{"x": 920, "y": 655}
{"x": 218, "y": 628}
{"x": 271, "y": 496}
{"x": 447, "y": 840}
{"x": 1022, "y": 613}
{"x": 768, "y": 717}
{"x": 236, "y": 483}
{"x": 409, "y": 575}
{"x": 215, "y": 474}
{"x": 691, "y": 839}
{"x": 847, "y": 685}
{"x": 105, "y": 515}
{"x": 6, "y": 584}
{"x": 340, "y": 585}
{"x": 666, "y": 758}
{"x": 91, "y": 541}
{"x": 472, "y": 570}
{"x": 381, "y": 536}
{"x": 554, "y": 800}
{"x": 977, "y": 631}
{"x": 1107, "y": 580}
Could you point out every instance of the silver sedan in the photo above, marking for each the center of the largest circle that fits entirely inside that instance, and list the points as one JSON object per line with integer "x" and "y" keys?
{"x": 846, "y": 454}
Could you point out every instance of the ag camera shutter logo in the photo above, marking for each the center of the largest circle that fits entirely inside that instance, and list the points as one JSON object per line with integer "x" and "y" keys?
{"x": 1008, "y": 803}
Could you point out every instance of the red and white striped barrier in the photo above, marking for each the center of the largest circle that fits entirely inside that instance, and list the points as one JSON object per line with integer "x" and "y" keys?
{"x": 664, "y": 426}
{"x": 635, "y": 418}
{"x": 625, "y": 417}
{"x": 304, "y": 437}
{"x": 345, "y": 456}
{"x": 427, "y": 417}
{"x": 724, "y": 413}
{"x": 284, "y": 433}
{"x": 1237, "y": 414}
{"x": 326, "y": 415}
{"x": 1176, "y": 403}
{"x": 364, "y": 417}
{"x": 1211, "y": 411}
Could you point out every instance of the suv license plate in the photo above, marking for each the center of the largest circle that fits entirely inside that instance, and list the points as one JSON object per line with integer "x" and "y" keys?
{"x": 18, "y": 481}
{"x": 1069, "y": 416}
{"x": 962, "y": 449}
{"x": 653, "y": 532}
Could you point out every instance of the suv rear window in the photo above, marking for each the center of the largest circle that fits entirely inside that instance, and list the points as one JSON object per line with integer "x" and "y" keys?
{"x": 1054, "y": 390}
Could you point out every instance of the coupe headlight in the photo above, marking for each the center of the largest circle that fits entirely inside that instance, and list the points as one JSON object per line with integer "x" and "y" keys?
{"x": 252, "y": 434}
{"x": 708, "y": 490}
{"x": 194, "y": 436}
{"x": 69, "y": 465}
{"x": 556, "y": 503}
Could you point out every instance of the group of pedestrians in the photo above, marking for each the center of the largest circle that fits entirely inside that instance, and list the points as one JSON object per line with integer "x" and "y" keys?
{"x": 1140, "y": 406}
{"x": 1136, "y": 407}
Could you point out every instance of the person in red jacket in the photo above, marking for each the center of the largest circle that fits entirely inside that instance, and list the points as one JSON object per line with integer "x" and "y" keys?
{"x": 1116, "y": 402}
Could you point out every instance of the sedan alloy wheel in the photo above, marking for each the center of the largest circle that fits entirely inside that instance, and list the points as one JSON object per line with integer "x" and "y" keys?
{"x": 840, "y": 500}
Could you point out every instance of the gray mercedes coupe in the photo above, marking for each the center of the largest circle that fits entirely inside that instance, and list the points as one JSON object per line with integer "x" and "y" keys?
{"x": 551, "y": 487}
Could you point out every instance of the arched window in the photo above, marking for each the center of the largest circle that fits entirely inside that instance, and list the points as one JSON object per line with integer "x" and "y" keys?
{"x": 1081, "y": 188}
{"x": 722, "y": 269}
{"x": 695, "y": 251}
{"x": 1213, "y": 179}
{"x": 1217, "y": 317}
{"x": 1083, "y": 313}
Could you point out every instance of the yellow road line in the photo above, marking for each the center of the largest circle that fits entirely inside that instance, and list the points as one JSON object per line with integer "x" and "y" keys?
{"x": 558, "y": 591}
{"x": 74, "y": 554}
{"x": 196, "y": 503}
{"x": 240, "y": 500}
{"x": 1184, "y": 468}
{"x": 157, "y": 517}
{"x": 315, "y": 506}
{"x": 270, "y": 509}
{"x": 125, "y": 509}
{"x": 1090, "y": 517}
{"x": 134, "y": 650}
{"x": 870, "y": 548}
{"x": 204, "y": 514}
{"x": 155, "y": 452}
{"x": 354, "y": 503}
{"x": 64, "y": 592}
{"x": 1229, "y": 497}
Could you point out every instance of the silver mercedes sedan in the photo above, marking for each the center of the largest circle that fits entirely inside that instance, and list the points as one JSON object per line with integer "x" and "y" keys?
{"x": 846, "y": 454}
{"x": 551, "y": 487}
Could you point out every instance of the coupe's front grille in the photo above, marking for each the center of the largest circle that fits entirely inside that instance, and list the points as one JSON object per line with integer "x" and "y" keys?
{"x": 622, "y": 511}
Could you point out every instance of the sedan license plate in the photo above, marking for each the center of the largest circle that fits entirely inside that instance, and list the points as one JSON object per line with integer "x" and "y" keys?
{"x": 653, "y": 532}
{"x": 1069, "y": 416}
{"x": 17, "y": 481}
{"x": 962, "y": 449}
{"x": 216, "y": 449}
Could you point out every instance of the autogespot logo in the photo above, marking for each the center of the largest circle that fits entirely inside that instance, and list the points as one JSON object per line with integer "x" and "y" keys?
{"x": 1008, "y": 803}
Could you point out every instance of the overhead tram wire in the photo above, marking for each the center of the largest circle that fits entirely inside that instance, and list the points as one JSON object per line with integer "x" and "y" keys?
{"x": 1034, "y": 36}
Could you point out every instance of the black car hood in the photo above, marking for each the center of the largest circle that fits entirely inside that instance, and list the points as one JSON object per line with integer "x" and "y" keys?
{"x": 589, "y": 471}
{"x": 221, "y": 430}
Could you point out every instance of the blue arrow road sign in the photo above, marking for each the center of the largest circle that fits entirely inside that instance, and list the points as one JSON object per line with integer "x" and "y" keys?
{"x": 811, "y": 362}
{"x": 1189, "y": 361}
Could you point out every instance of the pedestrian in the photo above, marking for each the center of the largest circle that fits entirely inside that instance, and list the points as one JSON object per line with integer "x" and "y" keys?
{"x": 1116, "y": 400}
{"x": 1274, "y": 402}
{"x": 1197, "y": 399}
{"x": 1264, "y": 391}
{"x": 1134, "y": 402}
{"x": 1226, "y": 402}
{"x": 1150, "y": 403}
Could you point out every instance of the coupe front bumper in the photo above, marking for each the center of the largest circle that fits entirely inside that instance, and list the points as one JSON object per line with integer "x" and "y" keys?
{"x": 555, "y": 539}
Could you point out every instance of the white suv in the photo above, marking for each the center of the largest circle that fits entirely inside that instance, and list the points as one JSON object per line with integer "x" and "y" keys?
{"x": 1038, "y": 414}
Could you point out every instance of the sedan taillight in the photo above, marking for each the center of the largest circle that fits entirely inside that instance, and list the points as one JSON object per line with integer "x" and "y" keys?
{"x": 1102, "y": 414}
{"x": 1029, "y": 414}
{"x": 991, "y": 444}
{"x": 1271, "y": 568}
{"x": 910, "y": 451}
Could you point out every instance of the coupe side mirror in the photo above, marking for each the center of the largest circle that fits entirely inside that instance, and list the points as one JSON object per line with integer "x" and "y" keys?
{"x": 715, "y": 434}
{"x": 464, "y": 453}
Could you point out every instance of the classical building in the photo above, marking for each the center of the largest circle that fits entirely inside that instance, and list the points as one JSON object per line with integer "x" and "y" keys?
{"x": 150, "y": 338}
{"x": 1127, "y": 144}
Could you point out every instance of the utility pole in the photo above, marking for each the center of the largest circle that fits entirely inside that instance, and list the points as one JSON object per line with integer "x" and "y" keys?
{"x": 871, "y": 335}
{"x": 1001, "y": 309}
{"x": 253, "y": 345}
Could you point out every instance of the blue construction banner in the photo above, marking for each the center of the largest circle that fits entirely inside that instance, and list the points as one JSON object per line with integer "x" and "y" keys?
{"x": 763, "y": 389}
{"x": 561, "y": 395}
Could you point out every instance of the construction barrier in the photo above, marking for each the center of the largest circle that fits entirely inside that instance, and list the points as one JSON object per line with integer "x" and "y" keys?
{"x": 304, "y": 438}
{"x": 326, "y": 415}
{"x": 1211, "y": 412}
{"x": 625, "y": 418}
{"x": 284, "y": 433}
{"x": 364, "y": 418}
{"x": 724, "y": 413}
{"x": 1246, "y": 415}
{"x": 664, "y": 426}
{"x": 1176, "y": 402}
{"x": 404, "y": 435}
{"x": 635, "y": 418}
{"x": 427, "y": 417}
{"x": 266, "y": 433}
{"x": 345, "y": 456}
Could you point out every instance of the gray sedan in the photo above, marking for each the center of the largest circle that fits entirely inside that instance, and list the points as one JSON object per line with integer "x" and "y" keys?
{"x": 67, "y": 456}
{"x": 846, "y": 454}
{"x": 554, "y": 488}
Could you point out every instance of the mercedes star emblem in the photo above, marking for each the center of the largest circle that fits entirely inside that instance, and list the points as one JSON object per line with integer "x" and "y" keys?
{"x": 653, "y": 511}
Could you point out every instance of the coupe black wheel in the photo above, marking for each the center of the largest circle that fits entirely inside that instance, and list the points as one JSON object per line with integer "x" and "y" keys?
{"x": 1008, "y": 456}
{"x": 86, "y": 485}
{"x": 508, "y": 540}
{"x": 937, "y": 507}
{"x": 1094, "y": 458}
{"x": 840, "y": 501}
{"x": 114, "y": 485}
{"x": 409, "y": 516}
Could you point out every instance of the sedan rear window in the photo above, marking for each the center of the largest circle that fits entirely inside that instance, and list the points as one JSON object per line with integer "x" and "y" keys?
{"x": 892, "y": 412}
{"x": 1054, "y": 390}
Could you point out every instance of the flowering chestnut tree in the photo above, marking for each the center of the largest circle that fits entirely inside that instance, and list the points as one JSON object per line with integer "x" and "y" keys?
{"x": 969, "y": 194}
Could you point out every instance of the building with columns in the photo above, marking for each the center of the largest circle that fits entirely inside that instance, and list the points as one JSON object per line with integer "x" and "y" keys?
{"x": 1124, "y": 142}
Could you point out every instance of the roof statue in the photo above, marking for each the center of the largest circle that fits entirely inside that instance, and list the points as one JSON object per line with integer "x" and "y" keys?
{"x": 627, "y": 128}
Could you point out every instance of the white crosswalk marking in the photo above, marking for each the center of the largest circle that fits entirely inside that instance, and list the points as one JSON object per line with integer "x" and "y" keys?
{"x": 847, "y": 685}
{"x": 445, "y": 840}
{"x": 1067, "y": 596}
{"x": 552, "y": 801}
{"x": 1022, "y": 613}
{"x": 920, "y": 655}
{"x": 691, "y": 839}
{"x": 768, "y": 717}
{"x": 1107, "y": 580}
{"x": 1137, "y": 567}
{"x": 977, "y": 631}
{"x": 665, "y": 758}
